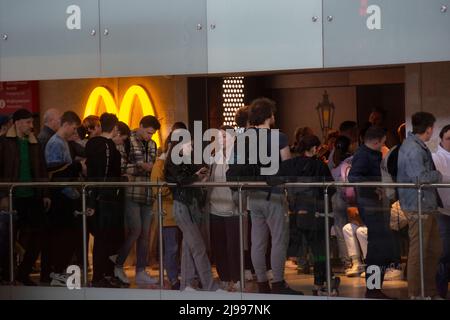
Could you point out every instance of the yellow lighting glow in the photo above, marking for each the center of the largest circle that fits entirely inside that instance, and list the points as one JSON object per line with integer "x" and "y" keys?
{"x": 125, "y": 111}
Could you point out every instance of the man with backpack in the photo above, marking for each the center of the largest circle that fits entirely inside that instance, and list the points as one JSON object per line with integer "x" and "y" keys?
{"x": 104, "y": 164}
{"x": 268, "y": 205}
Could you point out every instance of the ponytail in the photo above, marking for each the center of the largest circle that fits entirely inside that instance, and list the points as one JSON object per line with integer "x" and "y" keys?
{"x": 341, "y": 150}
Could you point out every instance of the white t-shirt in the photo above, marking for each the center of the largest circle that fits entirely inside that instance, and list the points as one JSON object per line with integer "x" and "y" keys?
{"x": 442, "y": 161}
{"x": 221, "y": 200}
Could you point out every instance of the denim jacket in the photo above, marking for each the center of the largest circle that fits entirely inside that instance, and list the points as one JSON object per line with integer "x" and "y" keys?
{"x": 415, "y": 163}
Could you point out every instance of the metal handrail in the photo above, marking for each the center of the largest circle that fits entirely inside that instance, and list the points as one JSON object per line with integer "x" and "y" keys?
{"x": 246, "y": 184}
{"x": 240, "y": 184}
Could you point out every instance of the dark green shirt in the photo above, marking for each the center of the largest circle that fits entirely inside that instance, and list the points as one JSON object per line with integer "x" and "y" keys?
{"x": 24, "y": 168}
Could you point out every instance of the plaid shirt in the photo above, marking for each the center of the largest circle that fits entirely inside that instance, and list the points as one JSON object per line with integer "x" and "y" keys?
{"x": 140, "y": 152}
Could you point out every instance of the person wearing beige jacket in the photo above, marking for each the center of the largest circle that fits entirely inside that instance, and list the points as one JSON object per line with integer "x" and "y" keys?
{"x": 170, "y": 229}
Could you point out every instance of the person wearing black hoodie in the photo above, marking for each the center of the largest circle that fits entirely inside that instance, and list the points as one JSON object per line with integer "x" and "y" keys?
{"x": 307, "y": 203}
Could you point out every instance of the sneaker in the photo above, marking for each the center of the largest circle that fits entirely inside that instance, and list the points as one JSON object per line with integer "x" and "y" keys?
{"x": 224, "y": 284}
{"x": 248, "y": 275}
{"x": 108, "y": 282}
{"x": 234, "y": 286}
{"x": 392, "y": 274}
{"x": 283, "y": 288}
{"x": 115, "y": 282}
{"x": 144, "y": 278}
{"x": 377, "y": 294}
{"x": 320, "y": 291}
{"x": 120, "y": 274}
{"x": 335, "y": 283}
{"x": 175, "y": 285}
{"x": 58, "y": 279}
{"x": 189, "y": 289}
{"x": 354, "y": 271}
{"x": 290, "y": 264}
{"x": 420, "y": 298}
{"x": 221, "y": 291}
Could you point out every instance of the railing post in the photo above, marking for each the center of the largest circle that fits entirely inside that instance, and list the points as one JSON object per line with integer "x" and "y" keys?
{"x": 419, "y": 209}
{"x": 11, "y": 236}
{"x": 160, "y": 234}
{"x": 85, "y": 256}
{"x": 241, "y": 239}
{"x": 327, "y": 240}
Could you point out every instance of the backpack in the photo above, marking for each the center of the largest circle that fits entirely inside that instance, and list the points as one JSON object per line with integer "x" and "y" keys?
{"x": 251, "y": 171}
{"x": 389, "y": 169}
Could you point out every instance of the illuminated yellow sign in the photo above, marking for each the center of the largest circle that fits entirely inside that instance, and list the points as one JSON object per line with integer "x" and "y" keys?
{"x": 125, "y": 111}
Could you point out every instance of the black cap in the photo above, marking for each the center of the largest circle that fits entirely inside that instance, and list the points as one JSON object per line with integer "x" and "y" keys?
{"x": 22, "y": 114}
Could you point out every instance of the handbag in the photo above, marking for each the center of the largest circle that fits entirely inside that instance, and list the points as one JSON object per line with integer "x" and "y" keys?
{"x": 348, "y": 193}
{"x": 398, "y": 218}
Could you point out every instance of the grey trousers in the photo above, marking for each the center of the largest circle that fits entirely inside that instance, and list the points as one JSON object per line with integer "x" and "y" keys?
{"x": 340, "y": 220}
{"x": 194, "y": 256}
{"x": 269, "y": 217}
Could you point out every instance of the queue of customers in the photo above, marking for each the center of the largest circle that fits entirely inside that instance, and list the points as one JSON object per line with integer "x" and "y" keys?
{"x": 282, "y": 227}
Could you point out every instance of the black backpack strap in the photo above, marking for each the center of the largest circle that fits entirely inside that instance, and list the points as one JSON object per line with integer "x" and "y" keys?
{"x": 108, "y": 155}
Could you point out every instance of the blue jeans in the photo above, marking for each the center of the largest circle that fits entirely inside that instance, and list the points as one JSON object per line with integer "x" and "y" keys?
{"x": 442, "y": 276}
{"x": 170, "y": 240}
{"x": 137, "y": 219}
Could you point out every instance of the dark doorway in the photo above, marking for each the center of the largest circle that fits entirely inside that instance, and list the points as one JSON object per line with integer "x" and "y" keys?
{"x": 388, "y": 97}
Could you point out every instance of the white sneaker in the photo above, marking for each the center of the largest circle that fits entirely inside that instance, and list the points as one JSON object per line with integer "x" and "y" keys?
{"x": 392, "y": 274}
{"x": 269, "y": 274}
{"x": 58, "y": 279}
{"x": 224, "y": 284}
{"x": 220, "y": 291}
{"x": 120, "y": 274}
{"x": 144, "y": 278}
{"x": 236, "y": 286}
{"x": 355, "y": 270}
{"x": 290, "y": 265}
{"x": 248, "y": 275}
{"x": 189, "y": 289}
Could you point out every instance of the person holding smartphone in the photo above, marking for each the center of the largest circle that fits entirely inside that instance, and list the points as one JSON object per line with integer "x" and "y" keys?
{"x": 188, "y": 215}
